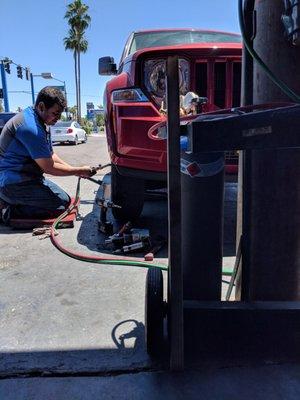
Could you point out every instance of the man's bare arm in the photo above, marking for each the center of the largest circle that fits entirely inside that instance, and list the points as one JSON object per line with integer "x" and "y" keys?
{"x": 58, "y": 160}
{"x": 52, "y": 167}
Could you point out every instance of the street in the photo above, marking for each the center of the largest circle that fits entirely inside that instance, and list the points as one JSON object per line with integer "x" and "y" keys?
{"x": 52, "y": 305}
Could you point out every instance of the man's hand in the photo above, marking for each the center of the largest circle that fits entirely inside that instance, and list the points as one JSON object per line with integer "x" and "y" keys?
{"x": 85, "y": 172}
{"x": 53, "y": 167}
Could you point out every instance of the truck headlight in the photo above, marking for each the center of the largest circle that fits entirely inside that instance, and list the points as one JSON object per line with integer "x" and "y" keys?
{"x": 128, "y": 96}
{"x": 155, "y": 77}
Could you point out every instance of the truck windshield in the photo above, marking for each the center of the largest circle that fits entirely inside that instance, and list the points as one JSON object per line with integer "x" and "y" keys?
{"x": 170, "y": 38}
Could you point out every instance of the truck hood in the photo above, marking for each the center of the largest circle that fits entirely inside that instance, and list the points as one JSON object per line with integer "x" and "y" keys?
{"x": 203, "y": 49}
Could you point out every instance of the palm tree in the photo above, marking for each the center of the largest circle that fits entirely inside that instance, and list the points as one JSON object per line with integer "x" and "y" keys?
{"x": 71, "y": 44}
{"x": 79, "y": 21}
{"x": 73, "y": 111}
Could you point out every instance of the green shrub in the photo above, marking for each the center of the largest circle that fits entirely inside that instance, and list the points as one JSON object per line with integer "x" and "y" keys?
{"x": 87, "y": 125}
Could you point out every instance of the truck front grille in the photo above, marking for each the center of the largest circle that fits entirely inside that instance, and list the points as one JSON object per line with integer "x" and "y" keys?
{"x": 220, "y": 82}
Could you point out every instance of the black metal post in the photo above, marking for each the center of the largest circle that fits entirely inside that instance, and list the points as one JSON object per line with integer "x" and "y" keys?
{"x": 243, "y": 276}
{"x": 273, "y": 176}
{"x": 175, "y": 297}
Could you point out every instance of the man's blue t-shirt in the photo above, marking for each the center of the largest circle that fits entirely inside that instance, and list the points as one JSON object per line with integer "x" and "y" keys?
{"x": 23, "y": 139}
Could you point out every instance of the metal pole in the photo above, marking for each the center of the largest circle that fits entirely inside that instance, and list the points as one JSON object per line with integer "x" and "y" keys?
{"x": 175, "y": 278}
{"x": 32, "y": 88}
{"x": 4, "y": 87}
{"x": 65, "y": 89}
{"x": 273, "y": 175}
{"x": 243, "y": 274}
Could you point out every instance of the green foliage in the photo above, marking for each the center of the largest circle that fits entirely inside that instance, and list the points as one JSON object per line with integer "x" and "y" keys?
{"x": 78, "y": 21}
{"x": 1, "y": 106}
{"x": 73, "y": 111}
{"x": 100, "y": 120}
{"x": 86, "y": 125}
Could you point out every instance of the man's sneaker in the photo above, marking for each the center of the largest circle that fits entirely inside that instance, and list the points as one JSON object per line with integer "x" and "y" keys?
{"x": 2, "y": 207}
{"x": 4, "y": 212}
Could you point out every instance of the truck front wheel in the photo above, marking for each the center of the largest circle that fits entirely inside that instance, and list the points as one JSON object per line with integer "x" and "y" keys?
{"x": 128, "y": 193}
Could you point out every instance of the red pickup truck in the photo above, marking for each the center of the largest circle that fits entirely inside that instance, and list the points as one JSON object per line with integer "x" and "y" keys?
{"x": 134, "y": 100}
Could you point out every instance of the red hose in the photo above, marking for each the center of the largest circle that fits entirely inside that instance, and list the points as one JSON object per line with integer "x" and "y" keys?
{"x": 75, "y": 254}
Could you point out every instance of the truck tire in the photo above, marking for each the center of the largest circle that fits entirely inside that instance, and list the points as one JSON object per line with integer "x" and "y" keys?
{"x": 128, "y": 193}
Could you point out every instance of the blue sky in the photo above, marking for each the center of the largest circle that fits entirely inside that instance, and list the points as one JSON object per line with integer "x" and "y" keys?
{"x": 32, "y": 32}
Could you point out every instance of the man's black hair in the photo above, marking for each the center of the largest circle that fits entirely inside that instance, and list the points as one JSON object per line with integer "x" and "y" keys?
{"x": 50, "y": 96}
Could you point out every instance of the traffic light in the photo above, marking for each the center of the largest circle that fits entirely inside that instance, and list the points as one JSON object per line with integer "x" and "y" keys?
{"x": 19, "y": 72}
{"x": 7, "y": 67}
{"x": 1, "y": 93}
{"x": 27, "y": 73}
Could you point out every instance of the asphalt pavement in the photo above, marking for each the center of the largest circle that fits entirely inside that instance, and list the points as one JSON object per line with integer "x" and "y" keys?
{"x": 75, "y": 330}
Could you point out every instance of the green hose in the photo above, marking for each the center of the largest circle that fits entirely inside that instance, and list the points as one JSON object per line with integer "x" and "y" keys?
{"x": 96, "y": 259}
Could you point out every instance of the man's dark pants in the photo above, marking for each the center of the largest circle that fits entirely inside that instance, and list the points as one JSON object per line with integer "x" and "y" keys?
{"x": 39, "y": 198}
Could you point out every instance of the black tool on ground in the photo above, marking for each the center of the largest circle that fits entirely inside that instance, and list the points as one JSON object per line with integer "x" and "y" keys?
{"x": 135, "y": 247}
{"x": 125, "y": 228}
{"x": 129, "y": 237}
{"x": 105, "y": 226}
{"x": 129, "y": 240}
{"x": 116, "y": 239}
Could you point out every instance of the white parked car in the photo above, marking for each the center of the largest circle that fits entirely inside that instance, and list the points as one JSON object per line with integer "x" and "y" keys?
{"x": 68, "y": 131}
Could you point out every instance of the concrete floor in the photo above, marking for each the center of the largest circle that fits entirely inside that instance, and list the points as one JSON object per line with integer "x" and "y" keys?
{"x": 272, "y": 382}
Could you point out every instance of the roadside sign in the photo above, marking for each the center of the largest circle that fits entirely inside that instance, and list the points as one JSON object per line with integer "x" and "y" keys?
{"x": 90, "y": 106}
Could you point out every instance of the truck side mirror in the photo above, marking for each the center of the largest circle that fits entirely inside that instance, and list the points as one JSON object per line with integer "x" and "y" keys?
{"x": 107, "y": 66}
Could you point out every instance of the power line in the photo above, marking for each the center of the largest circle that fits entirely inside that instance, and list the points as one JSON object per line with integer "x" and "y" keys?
{"x": 19, "y": 91}
{"x": 85, "y": 95}
{"x": 24, "y": 91}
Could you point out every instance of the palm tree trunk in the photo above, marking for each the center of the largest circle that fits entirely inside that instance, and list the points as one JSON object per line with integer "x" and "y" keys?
{"x": 76, "y": 79}
{"x": 79, "y": 90}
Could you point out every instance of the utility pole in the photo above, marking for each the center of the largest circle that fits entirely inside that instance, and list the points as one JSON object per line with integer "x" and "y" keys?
{"x": 32, "y": 88}
{"x": 4, "y": 86}
{"x": 272, "y": 177}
